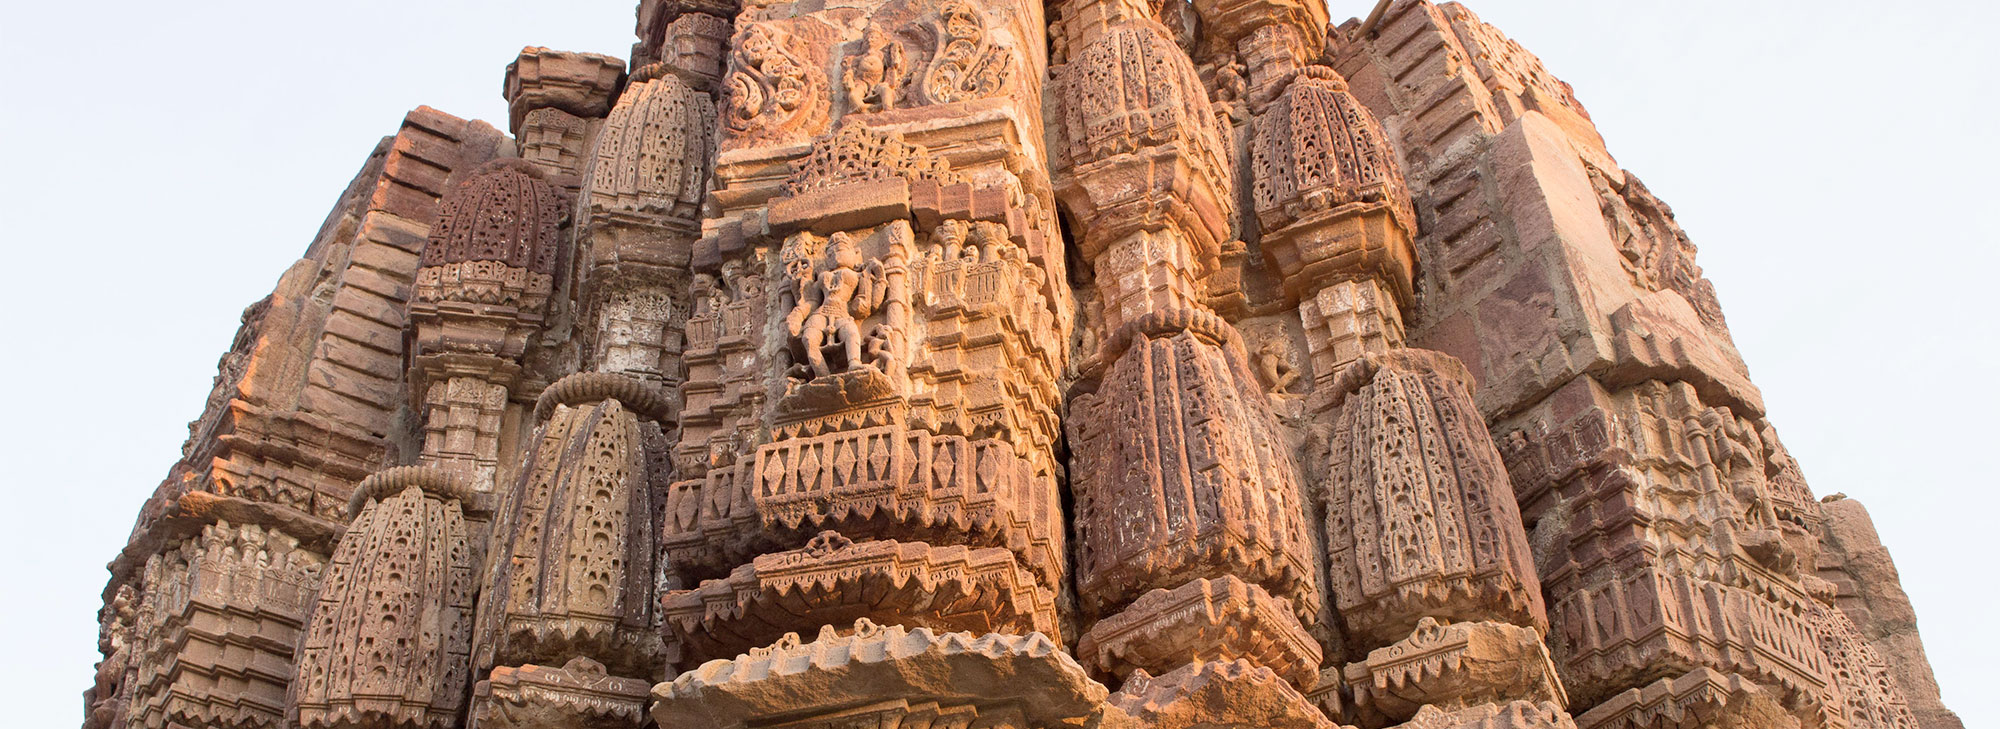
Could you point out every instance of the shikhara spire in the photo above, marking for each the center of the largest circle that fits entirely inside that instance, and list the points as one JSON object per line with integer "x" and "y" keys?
{"x": 939, "y": 363}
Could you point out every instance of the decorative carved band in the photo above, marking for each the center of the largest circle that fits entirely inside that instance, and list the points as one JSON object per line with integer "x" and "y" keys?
{"x": 1224, "y": 619}
{"x": 869, "y": 663}
{"x": 436, "y": 482}
{"x": 579, "y": 695}
{"x": 640, "y": 397}
{"x": 833, "y": 580}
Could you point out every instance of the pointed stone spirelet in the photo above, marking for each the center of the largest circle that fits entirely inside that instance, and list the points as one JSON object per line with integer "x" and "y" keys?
{"x": 953, "y": 331}
{"x": 1420, "y": 520}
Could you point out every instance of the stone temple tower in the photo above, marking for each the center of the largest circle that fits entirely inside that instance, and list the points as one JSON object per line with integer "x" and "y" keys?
{"x": 1002, "y": 363}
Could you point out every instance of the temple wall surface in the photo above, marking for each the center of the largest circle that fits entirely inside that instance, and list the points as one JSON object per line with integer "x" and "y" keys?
{"x": 1002, "y": 364}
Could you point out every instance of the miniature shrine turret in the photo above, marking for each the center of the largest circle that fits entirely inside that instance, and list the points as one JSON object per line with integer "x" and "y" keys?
{"x": 941, "y": 363}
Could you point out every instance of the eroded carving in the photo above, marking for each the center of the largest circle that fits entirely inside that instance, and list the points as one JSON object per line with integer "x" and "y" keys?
{"x": 574, "y": 573}
{"x": 834, "y": 581}
{"x": 389, "y": 641}
{"x": 772, "y": 86}
{"x": 1022, "y": 681}
{"x": 843, "y": 288}
{"x": 1420, "y": 520}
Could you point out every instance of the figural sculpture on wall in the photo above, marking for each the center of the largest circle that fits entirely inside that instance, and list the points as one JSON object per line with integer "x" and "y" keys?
{"x": 954, "y": 363}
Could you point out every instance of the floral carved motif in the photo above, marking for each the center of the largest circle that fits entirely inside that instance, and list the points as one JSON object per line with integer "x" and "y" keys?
{"x": 966, "y": 62}
{"x": 858, "y": 153}
{"x": 773, "y": 83}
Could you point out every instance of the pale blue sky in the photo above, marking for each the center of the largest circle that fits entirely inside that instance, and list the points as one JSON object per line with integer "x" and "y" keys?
{"x": 166, "y": 161}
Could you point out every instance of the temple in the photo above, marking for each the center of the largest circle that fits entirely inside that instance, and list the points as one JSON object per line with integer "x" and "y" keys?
{"x": 1002, "y": 364}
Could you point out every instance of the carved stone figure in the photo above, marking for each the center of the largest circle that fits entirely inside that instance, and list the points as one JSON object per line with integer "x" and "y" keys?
{"x": 843, "y": 289}
{"x": 875, "y": 79}
{"x": 1274, "y": 366}
{"x": 995, "y": 364}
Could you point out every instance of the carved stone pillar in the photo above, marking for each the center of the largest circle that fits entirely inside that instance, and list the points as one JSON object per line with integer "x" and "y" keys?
{"x": 488, "y": 272}
{"x": 556, "y": 102}
{"x": 640, "y": 209}
{"x": 490, "y": 265}
{"x": 1427, "y": 556}
{"x": 465, "y": 408}
{"x": 1178, "y": 473}
{"x": 390, "y": 641}
{"x": 663, "y": 31}
{"x": 871, "y": 405}
{"x": 1141, "y": 168}
{"x": 1336, "y": 218}
{"x": 388, "y": 644}
{"x": 568, "y": 625}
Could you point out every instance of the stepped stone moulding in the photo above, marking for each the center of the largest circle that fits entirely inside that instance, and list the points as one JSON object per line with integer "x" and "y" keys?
{"x": 579, "y": 694}
{"x": 1223, "y": 620}
{"x": 1456, "y": 665}
{"x": 833, "y": 580}
{"x": 1212, "y": 693}
{"x": 868, "y": 671}
{"x": 925, "y": 363}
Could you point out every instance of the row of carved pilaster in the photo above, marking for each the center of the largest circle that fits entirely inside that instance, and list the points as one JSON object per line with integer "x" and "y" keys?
{"x": 204, "y": 632}
{"x": 581, "y": 518}
{"x": 570, "y": 632}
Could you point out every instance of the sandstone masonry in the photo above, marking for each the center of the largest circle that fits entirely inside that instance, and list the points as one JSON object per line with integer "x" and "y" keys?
{"x": 940, "y": 363}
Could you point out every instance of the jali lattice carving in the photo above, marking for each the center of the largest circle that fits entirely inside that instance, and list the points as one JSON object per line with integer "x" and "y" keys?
{"x": 1420, "y": 520}
{"x": 574, "y": 570}
{"x": 390, "y": 640}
